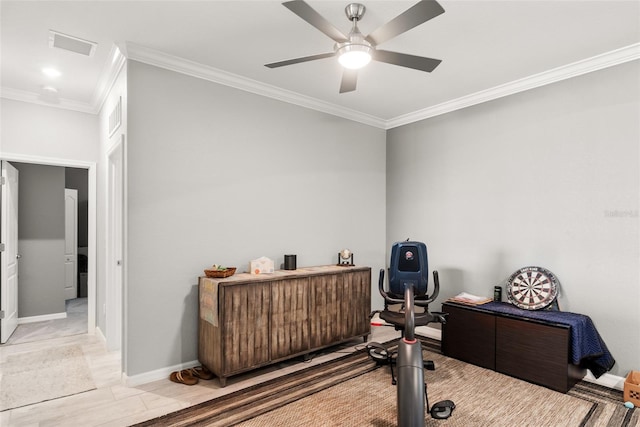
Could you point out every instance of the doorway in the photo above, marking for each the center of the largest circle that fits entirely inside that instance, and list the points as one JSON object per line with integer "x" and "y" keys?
{"x": 72, "y": 314}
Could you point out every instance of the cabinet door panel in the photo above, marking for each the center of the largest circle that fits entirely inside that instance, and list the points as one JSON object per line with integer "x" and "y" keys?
{"x": 533, "y": 352}
{"x": 325, "y": 300}
{"x": 356, "y": 304}
{"x": 289, "y": 317}
{"x": 469, "y": 336}
{"x": 245, "y": 322}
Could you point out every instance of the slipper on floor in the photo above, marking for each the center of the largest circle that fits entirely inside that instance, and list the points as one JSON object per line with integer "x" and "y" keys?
{"x": 183, "y": 377}
{"x": 201, "y": 372}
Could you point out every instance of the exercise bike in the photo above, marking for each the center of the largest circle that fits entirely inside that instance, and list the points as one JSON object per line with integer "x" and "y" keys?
{"x": 408, "y": 280}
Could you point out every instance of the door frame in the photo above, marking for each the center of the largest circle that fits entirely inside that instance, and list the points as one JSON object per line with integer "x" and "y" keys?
{"x": 115, "y": 235}
{"x": 91, "y": 226}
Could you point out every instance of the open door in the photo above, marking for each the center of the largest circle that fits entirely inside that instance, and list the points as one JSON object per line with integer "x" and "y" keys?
{"x": 70, "y": 243}
{"x": 9, "y": 252}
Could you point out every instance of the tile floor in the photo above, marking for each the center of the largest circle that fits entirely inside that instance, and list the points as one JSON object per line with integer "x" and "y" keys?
{"x": 74, "y": 324}
{"x": 114, "y": 404}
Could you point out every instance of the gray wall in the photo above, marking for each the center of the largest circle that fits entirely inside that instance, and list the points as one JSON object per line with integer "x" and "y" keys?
{"x": 218, "y": 175}
{"x": 548, "y": 177}
{"x": 40, "y": 240}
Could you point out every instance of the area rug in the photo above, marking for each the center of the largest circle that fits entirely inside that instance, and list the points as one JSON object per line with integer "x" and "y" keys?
{"x": 353, "y": 391}
{"x": 37, "y": 376}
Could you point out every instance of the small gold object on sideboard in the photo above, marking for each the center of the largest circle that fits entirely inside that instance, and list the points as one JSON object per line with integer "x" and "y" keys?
{"x": 345, "y": 258}
{"x": 218, "y": 271}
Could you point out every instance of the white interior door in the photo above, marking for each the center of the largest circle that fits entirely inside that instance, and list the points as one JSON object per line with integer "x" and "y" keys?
{"x": 70, "y": 243}
{"x": 115, "y": 246}
{"x": 9, "y": 255}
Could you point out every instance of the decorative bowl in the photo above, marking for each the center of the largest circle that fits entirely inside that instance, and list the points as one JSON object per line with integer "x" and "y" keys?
{"x": 229, "y": 271}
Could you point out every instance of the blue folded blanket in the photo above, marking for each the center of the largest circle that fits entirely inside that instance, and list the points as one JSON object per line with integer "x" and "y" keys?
{"x": 588, "y": 350}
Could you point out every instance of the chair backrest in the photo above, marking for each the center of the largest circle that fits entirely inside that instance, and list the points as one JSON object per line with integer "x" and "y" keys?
{"x": 408, "y": 265}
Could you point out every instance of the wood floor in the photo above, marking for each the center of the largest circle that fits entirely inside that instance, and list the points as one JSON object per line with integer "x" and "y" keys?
{"x": 114, "y": 404}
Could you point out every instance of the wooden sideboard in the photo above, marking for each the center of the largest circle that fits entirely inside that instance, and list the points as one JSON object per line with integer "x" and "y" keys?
{"x": 248, "y": 321}
{"x": 534, "y": 351}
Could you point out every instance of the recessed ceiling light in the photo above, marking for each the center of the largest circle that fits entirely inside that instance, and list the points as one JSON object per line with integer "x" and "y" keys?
{"x": 51, "y": 72}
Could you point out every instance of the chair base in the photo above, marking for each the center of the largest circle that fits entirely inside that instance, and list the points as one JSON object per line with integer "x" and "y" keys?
{"x": 397, "y": 319}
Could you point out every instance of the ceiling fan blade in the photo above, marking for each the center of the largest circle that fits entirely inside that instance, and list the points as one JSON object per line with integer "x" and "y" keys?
{"x": 306, "y": 12}
{"x": 404, "y": 60}
{"x": 349, "y": 80}
{"x": 417, "y": 14}
{"x": 299, "y": 60}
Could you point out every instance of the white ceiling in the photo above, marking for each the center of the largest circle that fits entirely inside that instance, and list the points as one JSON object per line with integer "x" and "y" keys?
{"x": 488, "y": 49}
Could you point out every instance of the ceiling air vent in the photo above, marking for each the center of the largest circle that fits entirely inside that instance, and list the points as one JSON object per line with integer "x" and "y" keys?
{"x": 70, "y": 43}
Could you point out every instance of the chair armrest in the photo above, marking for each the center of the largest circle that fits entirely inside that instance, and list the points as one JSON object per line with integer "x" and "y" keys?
{"x": 436, "y": 290}
{"x": 384, "y": 294}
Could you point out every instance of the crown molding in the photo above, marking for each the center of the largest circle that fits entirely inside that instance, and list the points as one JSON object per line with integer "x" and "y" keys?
{"x": 49, "y": 161}
{"x": 120, "y": 53}
{"x": 35, "y": 98}
{"x": 599, "y": 62}
{"x": 180, "y": 65}
{"x": 108, "y": 77}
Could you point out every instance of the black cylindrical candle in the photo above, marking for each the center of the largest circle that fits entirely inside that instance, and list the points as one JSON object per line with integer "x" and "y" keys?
{"x": 289, "y": 262}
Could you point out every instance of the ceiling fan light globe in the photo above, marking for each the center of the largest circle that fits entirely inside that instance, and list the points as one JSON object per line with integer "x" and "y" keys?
{"x": 354, "y": 57}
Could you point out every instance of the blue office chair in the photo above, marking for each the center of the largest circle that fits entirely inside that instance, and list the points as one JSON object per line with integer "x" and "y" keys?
{"x": 408, "y": 283}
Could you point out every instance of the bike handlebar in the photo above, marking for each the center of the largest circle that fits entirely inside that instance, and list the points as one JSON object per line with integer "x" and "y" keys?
{"x": 419, "y": 302}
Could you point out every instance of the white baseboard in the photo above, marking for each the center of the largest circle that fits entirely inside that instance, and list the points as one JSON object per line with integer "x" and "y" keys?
{"x": 429, "y": 332}
{"x": 41, "y": 318}
{"x": 158, "y": 374}
{"x": 606, "y": 380}
{"x": 98, "y": 333}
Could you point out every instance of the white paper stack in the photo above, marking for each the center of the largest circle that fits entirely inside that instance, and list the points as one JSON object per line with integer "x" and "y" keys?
{"x": 466, "y": 298}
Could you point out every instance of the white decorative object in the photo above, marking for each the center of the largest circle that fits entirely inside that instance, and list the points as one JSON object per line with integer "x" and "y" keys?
{"x": 262, "y": 265}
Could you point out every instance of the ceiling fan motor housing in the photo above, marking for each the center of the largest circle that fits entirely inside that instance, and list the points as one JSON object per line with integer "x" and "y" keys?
{"x": 355, "y": 11}
{"x": 357, "y": 44}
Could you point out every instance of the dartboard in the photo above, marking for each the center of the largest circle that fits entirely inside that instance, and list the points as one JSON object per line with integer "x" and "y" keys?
{"x": 532, "y": 288}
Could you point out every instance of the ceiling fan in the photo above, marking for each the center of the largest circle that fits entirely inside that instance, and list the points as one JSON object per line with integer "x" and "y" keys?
{"x": 355, "y": 50}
